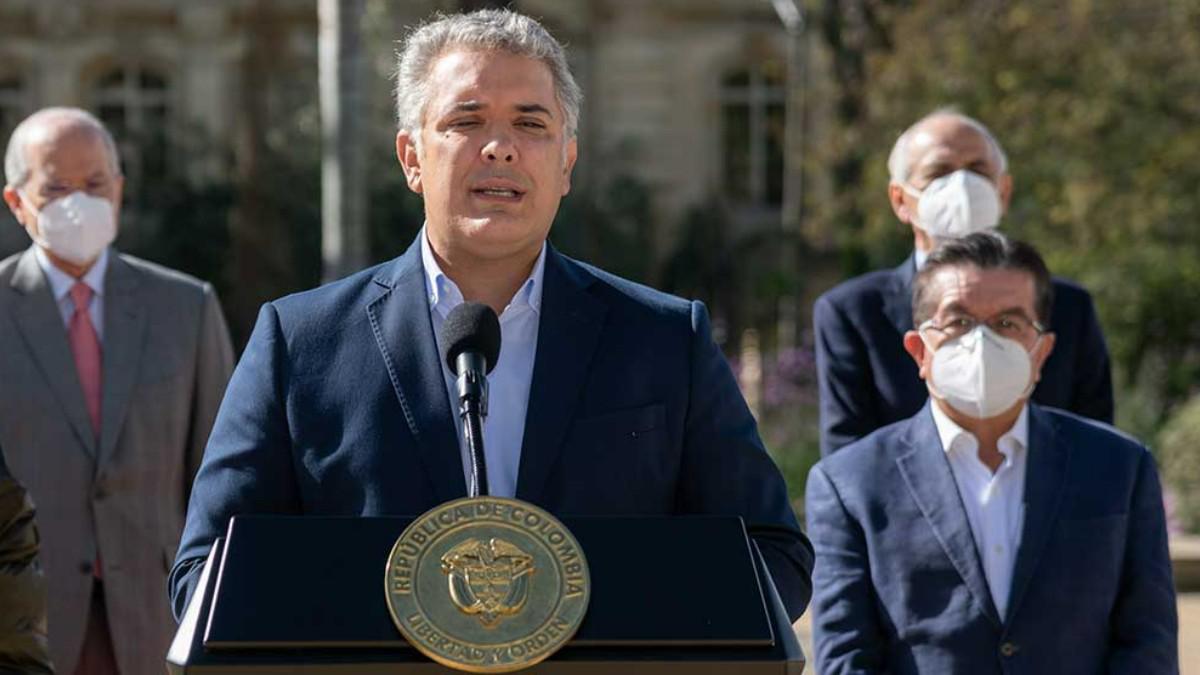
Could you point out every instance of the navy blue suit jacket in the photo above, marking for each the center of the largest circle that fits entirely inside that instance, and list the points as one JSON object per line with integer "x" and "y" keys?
{"x": 339, "y": 407}
{"x": 899, "y": 587}
{"x": 866, "y": 380}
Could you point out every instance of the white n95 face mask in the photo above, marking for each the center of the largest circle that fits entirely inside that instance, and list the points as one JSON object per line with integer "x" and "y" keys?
{"x": 956, "y": 205}
{"x": 76, "y": 228}
{"x": 981, "y": 374}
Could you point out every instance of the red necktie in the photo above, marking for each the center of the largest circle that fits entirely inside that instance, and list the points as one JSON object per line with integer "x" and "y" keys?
{"x": 96, "y": 656}
{"x": 85, "y": 346}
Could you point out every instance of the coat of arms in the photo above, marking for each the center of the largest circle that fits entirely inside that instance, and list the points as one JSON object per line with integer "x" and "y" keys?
{"x": 488, "y": 578}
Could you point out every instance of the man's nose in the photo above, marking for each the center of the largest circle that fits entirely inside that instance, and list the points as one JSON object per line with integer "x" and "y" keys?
{"x": 500, "y": 149}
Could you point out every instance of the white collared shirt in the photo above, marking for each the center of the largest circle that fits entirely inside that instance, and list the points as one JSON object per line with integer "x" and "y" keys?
{"x": 509, "y": 381}
{"x": 61, "y": 283}
{"x": 994, "y": 501}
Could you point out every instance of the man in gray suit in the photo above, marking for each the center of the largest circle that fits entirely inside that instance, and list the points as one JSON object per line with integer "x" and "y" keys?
{"x": 113, "y": 369}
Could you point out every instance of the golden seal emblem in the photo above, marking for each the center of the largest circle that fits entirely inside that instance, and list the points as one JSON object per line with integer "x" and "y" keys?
{"x": 487, "y": 584}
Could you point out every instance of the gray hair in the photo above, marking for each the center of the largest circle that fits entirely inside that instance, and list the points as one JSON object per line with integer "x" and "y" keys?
{"x": 16, "y": 162}
{"x": 489, "y": 30}
{"x": 899, "y": 163}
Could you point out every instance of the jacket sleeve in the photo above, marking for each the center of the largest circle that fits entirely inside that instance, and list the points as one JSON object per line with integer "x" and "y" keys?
{"x": 847, "y": 411}
{"x": 847, "y": 638}
{"x": 726, "y": 469}
{"x": 1144, "y": 623}
{"x": 23, "y": 645}
{"x": 1092, "y": 392}
{"x": 247, "y": 466}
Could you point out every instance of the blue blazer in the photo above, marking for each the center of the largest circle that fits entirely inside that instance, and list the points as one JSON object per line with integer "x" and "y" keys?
{"x": 900, "y": 587}
{"x": 339, "y": 407}
{"x": 866, "y": 380}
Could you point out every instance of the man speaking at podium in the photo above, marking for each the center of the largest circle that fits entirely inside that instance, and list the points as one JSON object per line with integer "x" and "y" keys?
{"x": 608, "y": 398}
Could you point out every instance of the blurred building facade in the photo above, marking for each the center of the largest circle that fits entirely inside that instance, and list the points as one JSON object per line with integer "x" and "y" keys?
{"x": 687, "y": 96}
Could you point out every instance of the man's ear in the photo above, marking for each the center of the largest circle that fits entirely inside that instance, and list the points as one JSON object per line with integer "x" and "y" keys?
{"x": 1041, "y": 353}
{"x": 410, "y": 160}
{"x": 1005, "y": 187}
{"x": 572, "y": 154}
{"x": 13, "y": 199}
{"x": 915, "y": 346}
{"x": 899, "y": 207}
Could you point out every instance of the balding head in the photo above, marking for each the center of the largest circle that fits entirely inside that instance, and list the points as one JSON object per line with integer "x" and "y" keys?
{"x": 53, "y": 154}
{"x": 48, "y": 126}
{"x": 937, "y": 145}
{"x": 945, "y": 137}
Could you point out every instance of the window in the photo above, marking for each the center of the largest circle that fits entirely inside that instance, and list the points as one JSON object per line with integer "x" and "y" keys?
{"x": 753, "y": 122}
{"x": 134, "y": 103}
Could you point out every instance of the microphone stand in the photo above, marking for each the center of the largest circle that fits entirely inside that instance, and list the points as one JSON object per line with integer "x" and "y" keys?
{"x": 472, "y": 409}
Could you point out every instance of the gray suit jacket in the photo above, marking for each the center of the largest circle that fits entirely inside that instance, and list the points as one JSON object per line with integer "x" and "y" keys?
{"x": 166, "y": 360}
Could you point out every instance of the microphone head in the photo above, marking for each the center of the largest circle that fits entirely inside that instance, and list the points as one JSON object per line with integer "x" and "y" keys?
{"x": 471, "y": 327}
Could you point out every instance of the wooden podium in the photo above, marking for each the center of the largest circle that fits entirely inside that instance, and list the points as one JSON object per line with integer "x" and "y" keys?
{"x": 288, "y": 594}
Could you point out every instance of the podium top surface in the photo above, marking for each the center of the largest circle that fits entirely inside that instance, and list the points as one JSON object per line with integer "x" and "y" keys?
{"x": 318, "y": 582}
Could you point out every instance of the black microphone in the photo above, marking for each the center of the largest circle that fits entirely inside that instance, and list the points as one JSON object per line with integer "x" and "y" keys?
{"x": 471, "y": 338}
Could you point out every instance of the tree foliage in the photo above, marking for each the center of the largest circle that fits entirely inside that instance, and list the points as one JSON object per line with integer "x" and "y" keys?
{"x": 1179, "y": 462}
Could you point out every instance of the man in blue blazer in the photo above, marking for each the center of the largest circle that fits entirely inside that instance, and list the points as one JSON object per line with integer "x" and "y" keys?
{"x": 987, "y": 534}
{"x": 949, "y": 177}
{"x": 608, "y": 397}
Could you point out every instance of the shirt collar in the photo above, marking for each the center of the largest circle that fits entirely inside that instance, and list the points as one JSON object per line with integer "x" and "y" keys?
{"x": 920, "y": 257}
{"x": 953, "y": 436}
{"x": 444, "y": 294}
{"x": 61, "y": 282}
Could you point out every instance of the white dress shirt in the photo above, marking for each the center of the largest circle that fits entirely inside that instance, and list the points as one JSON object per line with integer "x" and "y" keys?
{"x": 994, "y": 501}
{"x": 61, "y": 283}
{"x": 509, "y": 381}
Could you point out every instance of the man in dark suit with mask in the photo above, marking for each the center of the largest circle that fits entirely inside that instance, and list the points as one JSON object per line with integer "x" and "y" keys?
{"x": 949, "y": 178}
{"x": 986, "y": 533}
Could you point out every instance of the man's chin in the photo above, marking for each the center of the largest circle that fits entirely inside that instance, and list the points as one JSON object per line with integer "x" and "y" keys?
{"x": 498, "y": 235}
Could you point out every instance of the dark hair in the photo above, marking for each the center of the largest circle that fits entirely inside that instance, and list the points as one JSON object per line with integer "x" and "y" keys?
{"x": 985, "y": 250}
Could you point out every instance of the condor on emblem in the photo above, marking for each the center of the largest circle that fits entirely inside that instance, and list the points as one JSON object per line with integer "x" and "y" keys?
{"x": 487, "y": 584}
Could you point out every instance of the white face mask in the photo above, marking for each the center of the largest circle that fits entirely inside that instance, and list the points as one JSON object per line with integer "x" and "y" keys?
{"x": 956, "y": 205}
{"x": 981, "y": 374}
{"x": 76, "y": 228}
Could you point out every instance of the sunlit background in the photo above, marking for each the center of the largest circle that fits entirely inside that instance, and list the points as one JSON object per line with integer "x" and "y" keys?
{"x": 730, "y": 150}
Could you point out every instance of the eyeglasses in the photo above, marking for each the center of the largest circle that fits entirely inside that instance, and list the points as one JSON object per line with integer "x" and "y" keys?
{"x": 1005, "y": 324}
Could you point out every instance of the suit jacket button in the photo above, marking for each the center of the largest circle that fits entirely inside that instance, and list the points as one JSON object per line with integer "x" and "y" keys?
{"x": 85, "y": 567}
{"x": 1008, "y": 649}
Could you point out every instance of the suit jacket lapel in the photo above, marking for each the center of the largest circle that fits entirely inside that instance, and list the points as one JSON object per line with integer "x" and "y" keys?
{"x": 124, "y": 344}
{"x": 898, "y": 304}
{"x": 927, "y": 474}
{"x": 1045, "y": 474}
{"x": 403, "y": 329}
{"x": 37, "y": 317}
{"x": 568, "y": 331}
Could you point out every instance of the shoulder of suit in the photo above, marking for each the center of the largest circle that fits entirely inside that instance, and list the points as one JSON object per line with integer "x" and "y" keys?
{"x": 861, "y": 290}
{"x": 620, "y": 290}
{"x": 1092, "y": 434}
{"x": 334, "y": 293}
{"x": 1070, "y": 291}
{"x": 869, "y": 455}
{"x": 164, "y": 276}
